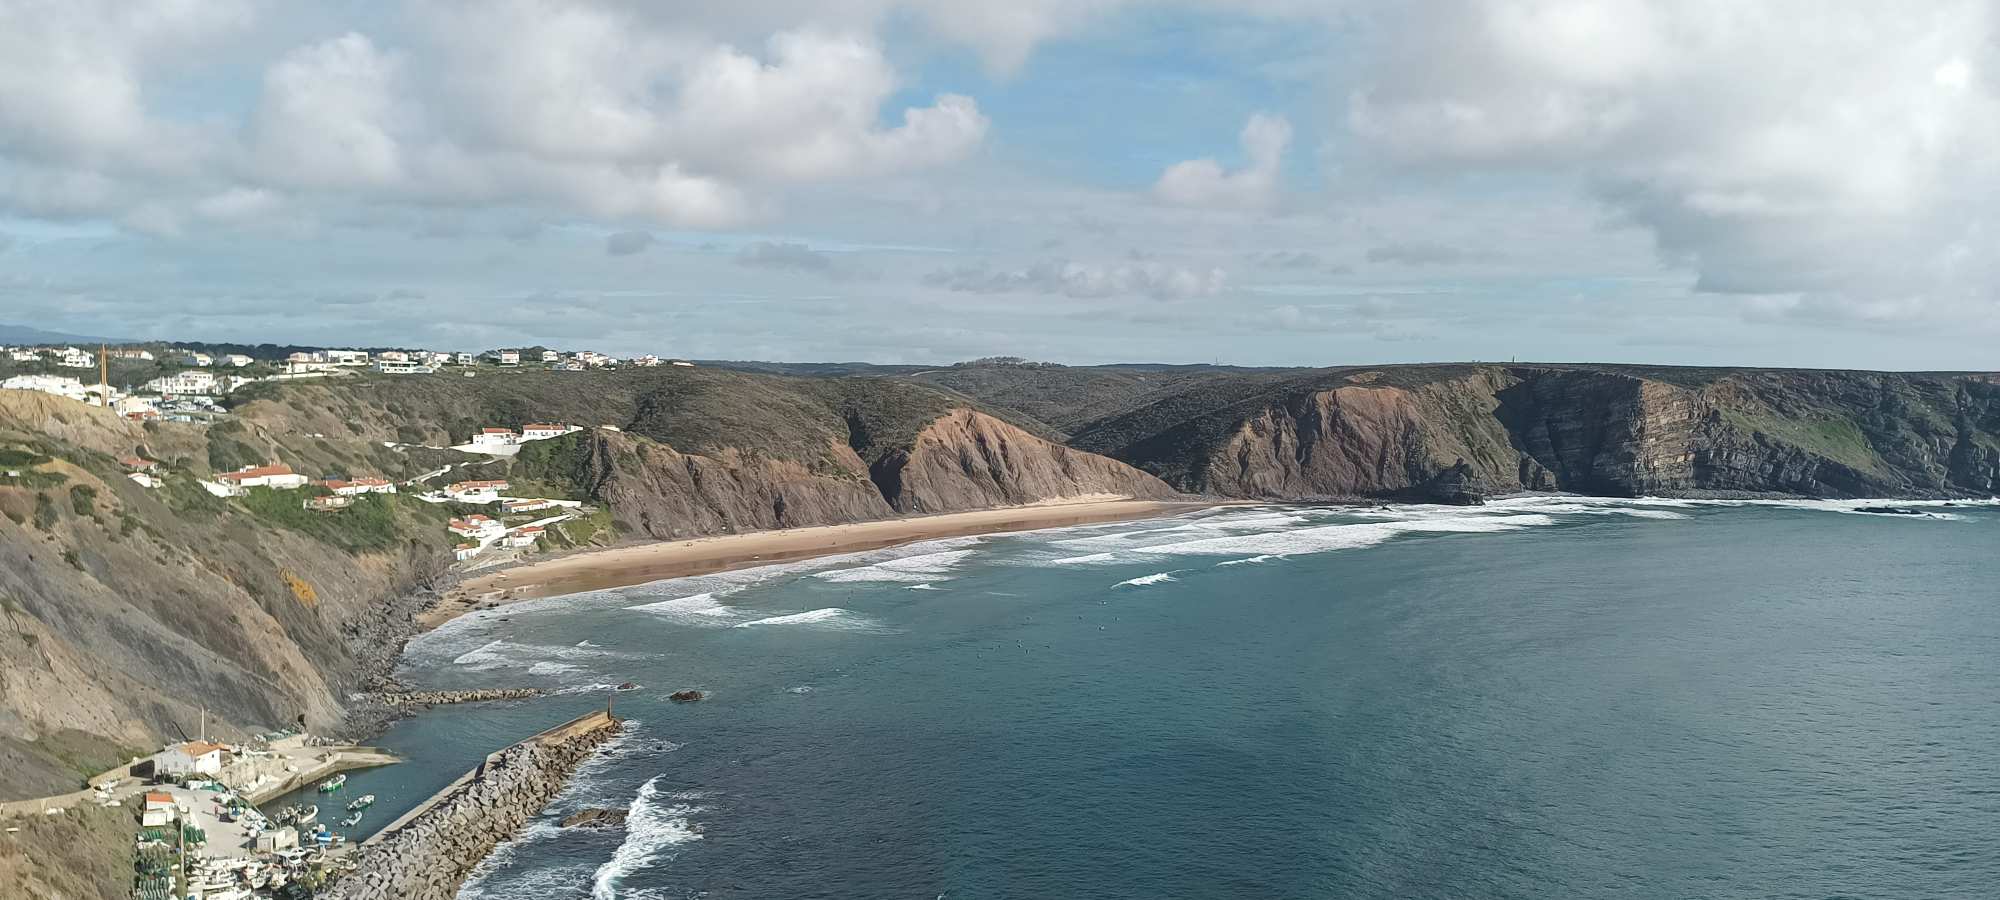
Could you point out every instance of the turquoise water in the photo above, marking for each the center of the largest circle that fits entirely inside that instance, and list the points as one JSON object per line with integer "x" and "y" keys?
{"x": 1540, "y": 698}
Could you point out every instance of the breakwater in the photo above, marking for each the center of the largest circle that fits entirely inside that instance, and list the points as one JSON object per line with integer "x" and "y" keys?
{"x": 442, "y": 698}
{"x": 427, "y": 853}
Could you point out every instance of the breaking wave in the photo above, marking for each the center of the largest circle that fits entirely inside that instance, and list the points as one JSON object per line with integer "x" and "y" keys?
{"x": 832, "y": 615}
{"x": 1084, "y": 559}
{"x": 1144, "y": 580}
{"x": 923, "y": 567}
{"x": 538, "y": 659}
{"x": 698, "y": 609}
{"x": 1259, "y": 558}
{"x": 651, "y": 827}
{"x": 1338, "y": 537}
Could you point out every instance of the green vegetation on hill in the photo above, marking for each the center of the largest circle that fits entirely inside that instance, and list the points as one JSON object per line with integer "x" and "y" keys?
{"x": 375, "y": 522}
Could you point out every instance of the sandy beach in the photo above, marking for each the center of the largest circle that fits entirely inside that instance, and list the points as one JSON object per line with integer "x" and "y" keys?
{"x": 638, "y": 564}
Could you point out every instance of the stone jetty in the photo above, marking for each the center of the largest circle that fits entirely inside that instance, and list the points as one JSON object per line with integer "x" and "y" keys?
{"x": 427, "y": 853}
{"x": 440, "y": 698}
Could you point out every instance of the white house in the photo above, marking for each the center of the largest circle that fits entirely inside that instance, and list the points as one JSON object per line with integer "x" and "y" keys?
{"x": 363, "y": 485}
{"x": 524, "y": 536}
{"x": 132, "y": 353}
{"x": 438, "y": 358}
{"x": 510, "y": 357}
{"x": 475, "y": 491}
{"x": 466, "y": 359}
{"x": 157, "y": 809}
{"x": 188, "y": 382}
{"x": 25, "y": 355}
{"x": 550, "y": 356}
{"x": 495, "y": 437}
{"x": 47, "y": 384}
{"x": 73, "y": 358}
{"x": 392, "y": 356}
{"x": 544, "y": 432}
{"x": 509, "y": 507}
{"x": 237, "y": 360}
{"x": 347, "y": 357}
{"x": 197, "y": 359}
{"x": 647, "y": 361}
{"x": 477, "y": 526}
{"x": 191, "y": 758}
{"x": 275, "y": 475}
{"x": 395, "y": 368}
{"x": 464, "y": 552}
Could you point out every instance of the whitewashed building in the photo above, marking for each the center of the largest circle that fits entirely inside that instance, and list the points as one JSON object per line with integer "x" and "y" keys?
{"x": 190, "y": 381}
{"x": 544, "y": 432}
{"x": 47, "y": 384}
{"x": 363, "y": 485}
{"x": 191, "y": 758}
{"x": 495, "y": 437}
{"x": 72, "y": 358}
{"x": 275, "y": 475}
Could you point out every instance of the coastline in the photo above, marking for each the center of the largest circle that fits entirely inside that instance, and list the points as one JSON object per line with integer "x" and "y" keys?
{"x": 632, "y": 564}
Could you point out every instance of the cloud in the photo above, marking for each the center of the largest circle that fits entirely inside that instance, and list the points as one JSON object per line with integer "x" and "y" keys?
{"x": 1424, "y": 253}
{"x": 627, "y": 243}
{"x": 1204, "y": 183}
{"x": 1083, "y": 280}
{"x": 583, "y": 107}
{"x": 773, "y": 255}
{"x": 1830, "y": 150}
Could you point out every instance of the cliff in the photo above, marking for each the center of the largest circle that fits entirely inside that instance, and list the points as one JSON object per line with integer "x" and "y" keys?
{"x": 1457, "y": 433}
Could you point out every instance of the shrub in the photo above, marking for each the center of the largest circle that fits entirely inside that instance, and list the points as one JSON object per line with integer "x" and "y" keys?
{"x": 83, "y": 499}
{"x": 45, "y": 512}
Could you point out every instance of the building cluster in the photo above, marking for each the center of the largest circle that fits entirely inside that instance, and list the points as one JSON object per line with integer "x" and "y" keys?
{"x": 506, "y": 441}
{"x": 186, "y": 395}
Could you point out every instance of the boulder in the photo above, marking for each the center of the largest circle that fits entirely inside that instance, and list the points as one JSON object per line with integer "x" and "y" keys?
{"x": 688, "y": 696}
{"x": 595, "y": 818}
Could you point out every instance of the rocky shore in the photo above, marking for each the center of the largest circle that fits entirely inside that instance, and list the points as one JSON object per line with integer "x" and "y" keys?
{"x": 430, "y": 856}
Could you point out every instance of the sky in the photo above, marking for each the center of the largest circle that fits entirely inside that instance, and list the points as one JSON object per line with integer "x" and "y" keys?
{"x": 1255, "y": 182}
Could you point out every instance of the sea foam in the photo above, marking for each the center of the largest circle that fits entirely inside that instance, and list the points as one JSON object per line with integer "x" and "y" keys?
{"x": 923, "y": 567}
{"x": 651, "y": 827}
{"x": 1143, "y": 580}
{"x": 828, "y": 616}
{"x": 698, "y": 609}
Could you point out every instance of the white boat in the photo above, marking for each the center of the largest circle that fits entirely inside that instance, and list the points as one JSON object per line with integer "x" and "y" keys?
{"x": 333, "y": 784}
{"x": 361, "y": 802}
{"x": 307, "y": 815}
{"x": 351, "y": 821}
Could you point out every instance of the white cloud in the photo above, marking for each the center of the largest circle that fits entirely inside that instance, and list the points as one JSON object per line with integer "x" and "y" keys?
{"x": 1084, "y": 280}
{"x": 330, "y": 116}
{"x": 1204, "y": 182}
{"x": 1829, "y": 149}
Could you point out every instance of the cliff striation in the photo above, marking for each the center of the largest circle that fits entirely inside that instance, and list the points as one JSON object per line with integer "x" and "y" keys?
{"x": 1454, "y": 434}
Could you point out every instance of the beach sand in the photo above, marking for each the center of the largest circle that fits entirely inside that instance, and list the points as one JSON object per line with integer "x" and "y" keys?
{"x": 638, "y": 564}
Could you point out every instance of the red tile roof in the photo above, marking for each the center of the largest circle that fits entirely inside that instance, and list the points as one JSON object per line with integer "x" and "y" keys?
{"x": 256, "y": 472}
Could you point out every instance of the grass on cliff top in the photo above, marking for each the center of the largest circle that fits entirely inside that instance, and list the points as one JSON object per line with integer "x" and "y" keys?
{"x": 374, "y": 523}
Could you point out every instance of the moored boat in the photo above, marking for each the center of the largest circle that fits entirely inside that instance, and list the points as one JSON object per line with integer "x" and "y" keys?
{"x": 351, "y": 821}
{"x": 306, "y": 816}
{"x": 362, "y": 802}
{"x": 333, "y": 784}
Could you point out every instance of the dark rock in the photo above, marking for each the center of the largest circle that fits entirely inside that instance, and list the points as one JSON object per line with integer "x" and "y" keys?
{"x": 686, "y": 696}
{"x": 595, "y": 818}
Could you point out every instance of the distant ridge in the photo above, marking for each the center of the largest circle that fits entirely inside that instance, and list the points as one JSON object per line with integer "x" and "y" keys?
{"x": 23, "y": 334}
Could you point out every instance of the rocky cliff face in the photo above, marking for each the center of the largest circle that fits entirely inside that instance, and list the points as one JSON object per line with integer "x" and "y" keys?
{"x": 961, "y": 461}
{"x": 969, "y": 460}
{"x": 1458, "y": 434}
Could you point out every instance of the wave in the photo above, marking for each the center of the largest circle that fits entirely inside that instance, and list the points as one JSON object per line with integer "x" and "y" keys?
{"x": 650, "y": 829}
{"x": 508, "y": 654}
{"x": 1144, "y": 580}
{"x": 926, "y": 586}
{"x": 829, "y": 616}
{"x": 1084, "y": 559}
{"x": 698, "y": 609}
{"x": 1259, "y": 558}
{"x": 1351, "y": 536}
{"x": 922, "y": 567}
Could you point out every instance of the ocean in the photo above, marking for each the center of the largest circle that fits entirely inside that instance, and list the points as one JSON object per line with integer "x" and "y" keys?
{"x": 1541, "y": 697}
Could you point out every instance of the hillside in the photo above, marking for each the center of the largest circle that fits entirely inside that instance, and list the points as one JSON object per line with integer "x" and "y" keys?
{"x": 128, "y": 610}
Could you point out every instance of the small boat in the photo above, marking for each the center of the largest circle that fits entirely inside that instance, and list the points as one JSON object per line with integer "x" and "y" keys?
{"x": 306, "y": 816}
{"x": 351, "y": 821}
{"x": 333, "y": 784}
{"x": 362, "y": 802}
